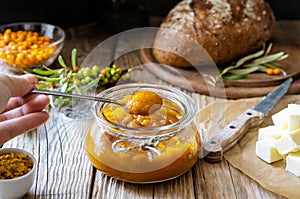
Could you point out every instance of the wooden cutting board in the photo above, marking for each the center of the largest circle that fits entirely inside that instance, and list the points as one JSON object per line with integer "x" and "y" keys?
{"x": 285, "y": 38}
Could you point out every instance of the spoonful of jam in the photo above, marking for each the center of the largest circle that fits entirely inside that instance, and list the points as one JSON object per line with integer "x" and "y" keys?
{"x": 142, "y": 102}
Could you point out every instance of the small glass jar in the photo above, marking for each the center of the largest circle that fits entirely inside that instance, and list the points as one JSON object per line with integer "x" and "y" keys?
{"x": 144, "y": 149}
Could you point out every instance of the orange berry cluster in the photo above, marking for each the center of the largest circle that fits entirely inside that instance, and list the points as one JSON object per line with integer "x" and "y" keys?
{"x": 25, "y": 49}
{"x": 273, "y": 71}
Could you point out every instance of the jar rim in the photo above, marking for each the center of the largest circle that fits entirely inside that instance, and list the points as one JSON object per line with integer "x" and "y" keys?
{"x": 185, "y": 102}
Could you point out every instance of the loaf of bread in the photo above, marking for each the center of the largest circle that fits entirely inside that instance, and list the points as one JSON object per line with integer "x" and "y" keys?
{"x": 226, "y": 29}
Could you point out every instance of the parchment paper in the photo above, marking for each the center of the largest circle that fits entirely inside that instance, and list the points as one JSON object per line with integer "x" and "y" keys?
{"x": 242, "y": 156}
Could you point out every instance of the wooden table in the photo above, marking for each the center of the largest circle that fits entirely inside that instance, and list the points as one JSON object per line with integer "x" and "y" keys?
{"x": 64, "y": 170}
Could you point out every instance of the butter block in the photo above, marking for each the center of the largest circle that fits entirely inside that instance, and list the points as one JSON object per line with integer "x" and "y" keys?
{"x": 293, "y": 117}
{"x": 294, "y": 107}
{"x": 293, "y": 163}
{"x": 288, "y": 142}
{"x": 280, "y": 119}
{"x": 266, "y": 150}
{"x": 270, "y": 132}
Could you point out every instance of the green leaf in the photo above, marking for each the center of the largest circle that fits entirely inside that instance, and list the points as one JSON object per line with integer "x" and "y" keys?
{"x": 283, "y": 57}
{"x": 42, "y": 86}
{"x": 268, "y": 58}
{"x": 69, "y": 75}
{"x": 249, "y": 57}
{"x": 249, "y": 70}
{"x": 209, "y": 78}
{"x": 272, "y": 65}
{"x": 268, "y": 49}
{"x": 73, "y": 58}
{"x": 47, "y": 68}
{"x": 64, "y": 87}
{"x": 56, "y": 80}
{"x": 43, "y": 72}
{"x": 208, "y": 82}
{"x": 242, "y": 61}
{"x": 235, "y": 77}
{"x": 262, "y": 68}
{"x": 64, "y": 102}
{"x": 70, "y": 88}
{"x": 62, "y": 62}
{"x": 283, "y": 72}
{"x": 258, "y": 61}
{"x": 227, "y": 69}
{"x": 90, "y": 85}
{"x": 62, "y": 81}
{"x": 244, "y": 71}
{"x": 55, "y": 75}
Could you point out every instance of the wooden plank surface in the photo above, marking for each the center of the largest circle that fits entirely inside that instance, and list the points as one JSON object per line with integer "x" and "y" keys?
{"x": 64, "y": 171}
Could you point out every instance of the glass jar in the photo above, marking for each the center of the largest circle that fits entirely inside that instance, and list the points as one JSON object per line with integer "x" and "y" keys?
{"x": 144, "y": 149}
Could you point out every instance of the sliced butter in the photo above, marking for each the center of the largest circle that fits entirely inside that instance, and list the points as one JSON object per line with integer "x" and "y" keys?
{"x": 293, "y": 121}
{"x": 270, "y": 132}
{"x": 288, "y": 142}
{"x": 265, "y": 149}
{"x": 293, "y": 163}
{"x": 280, "y": 119}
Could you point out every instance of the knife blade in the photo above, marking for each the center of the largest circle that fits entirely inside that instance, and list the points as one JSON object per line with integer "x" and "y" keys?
{"x": 213, "y": 149}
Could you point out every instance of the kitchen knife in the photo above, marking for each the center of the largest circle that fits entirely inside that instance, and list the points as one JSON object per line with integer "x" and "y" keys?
{"x": 213, "y": 149}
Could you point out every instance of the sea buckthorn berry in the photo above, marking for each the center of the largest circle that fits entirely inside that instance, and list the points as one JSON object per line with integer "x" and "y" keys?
{"x": 31, "y": 45}
{"x": 276, "y": 71}
{"x": 273, "y": 71}
{"x": 269, "y": 71}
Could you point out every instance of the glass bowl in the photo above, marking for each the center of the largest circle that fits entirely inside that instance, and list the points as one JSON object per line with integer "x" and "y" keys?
{"x": 18, "y": 186}
{"x": 144, "y": 149}
{"x": 27, "y": 45}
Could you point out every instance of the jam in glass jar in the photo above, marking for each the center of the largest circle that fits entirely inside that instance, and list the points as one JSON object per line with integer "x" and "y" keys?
{"x": 143, "y": 148}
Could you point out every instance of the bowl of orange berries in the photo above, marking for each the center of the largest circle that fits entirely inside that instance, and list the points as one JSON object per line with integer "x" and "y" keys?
{"x": 28, "y": 45}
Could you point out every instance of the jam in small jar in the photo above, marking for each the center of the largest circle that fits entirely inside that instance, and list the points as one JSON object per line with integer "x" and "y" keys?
{"x": 143, "y": 148}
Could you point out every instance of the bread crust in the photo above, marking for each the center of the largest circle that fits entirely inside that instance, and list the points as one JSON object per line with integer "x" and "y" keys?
{"x": 226, "y": 29}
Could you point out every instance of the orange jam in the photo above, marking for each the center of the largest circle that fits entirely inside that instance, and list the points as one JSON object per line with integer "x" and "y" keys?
{"x": 143, "y": 102}
{"x": 142, "y": 149}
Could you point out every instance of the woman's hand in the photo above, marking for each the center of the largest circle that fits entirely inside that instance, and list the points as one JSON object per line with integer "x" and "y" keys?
{"x": 20, "y": 111}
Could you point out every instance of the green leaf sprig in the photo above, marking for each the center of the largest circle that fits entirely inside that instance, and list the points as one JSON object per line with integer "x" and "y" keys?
{"x": 260, "y": 61}
{"x": 68, "y": 79}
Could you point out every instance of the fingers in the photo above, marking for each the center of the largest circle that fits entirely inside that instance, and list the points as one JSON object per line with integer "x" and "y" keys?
{"x": 15, "y": 102}
{"x": 11, "y": 86}
{"x": 18, "y": 85}
{"x": 14, "y": 127}
{"x": 22, "y": 112}
{"x": 28, "y": 81}
{"x": 18, "y": 107}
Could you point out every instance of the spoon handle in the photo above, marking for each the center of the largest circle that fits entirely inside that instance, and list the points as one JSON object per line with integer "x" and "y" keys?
{"x": 83, "y": 97}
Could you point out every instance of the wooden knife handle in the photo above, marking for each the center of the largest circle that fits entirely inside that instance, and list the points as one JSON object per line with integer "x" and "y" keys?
{"x": 230, "y": 135}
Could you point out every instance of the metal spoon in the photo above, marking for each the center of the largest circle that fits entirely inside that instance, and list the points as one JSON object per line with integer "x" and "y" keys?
{"x": 82, "y": 97}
